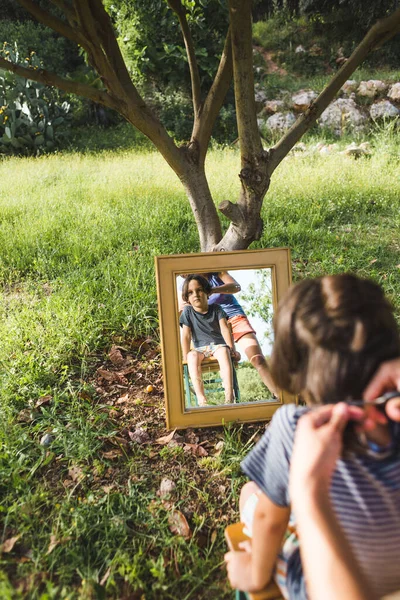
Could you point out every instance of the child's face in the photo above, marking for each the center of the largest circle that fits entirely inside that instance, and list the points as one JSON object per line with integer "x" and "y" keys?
{"x": 197, "y": 297}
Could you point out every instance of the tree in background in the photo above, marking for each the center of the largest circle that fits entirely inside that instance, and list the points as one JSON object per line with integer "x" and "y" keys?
{"x": 88, "y": 24}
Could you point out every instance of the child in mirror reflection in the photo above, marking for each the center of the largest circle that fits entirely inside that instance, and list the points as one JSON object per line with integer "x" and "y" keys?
{"x": 206, "y": 326}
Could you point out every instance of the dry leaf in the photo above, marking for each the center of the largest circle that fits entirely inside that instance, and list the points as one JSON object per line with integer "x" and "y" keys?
{"x": 213, "y": 536}
{"x": 43, "y": 400}
{"x": 179, "y": 525}
{"x": 112, "y": 454}
{"x": 140, "y": 436}
{"x": 105, "y": 576}
{"x": 166, "y": 438}
{"x": 196, "y": 449}
{"x": 123, "y": 399}
{"x": 76, "y": 473}
{"x": 9, "y": 544}
{"x": 373, "y": 261}
{"x": 219, "y": 446}
{"x": 116, "y": 357}
{"x": 108, "y": 488}
{"x": 55, "y": 542}
{"x": 25, "y": 415}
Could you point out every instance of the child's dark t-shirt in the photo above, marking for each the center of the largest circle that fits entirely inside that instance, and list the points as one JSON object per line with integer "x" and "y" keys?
{"x": 205, "y": 328}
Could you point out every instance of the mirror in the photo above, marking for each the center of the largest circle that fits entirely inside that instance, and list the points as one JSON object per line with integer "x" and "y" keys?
{"x": 215, "y": 340}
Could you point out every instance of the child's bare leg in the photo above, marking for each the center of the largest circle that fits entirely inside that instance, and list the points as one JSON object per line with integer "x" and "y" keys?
{"x": 225, "y": 366}
{"x": 194, "y": 360}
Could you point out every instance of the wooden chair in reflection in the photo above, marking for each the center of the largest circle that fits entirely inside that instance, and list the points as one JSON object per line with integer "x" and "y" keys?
{"x": 234, "y": 535}
{"x": 212, "y": 381}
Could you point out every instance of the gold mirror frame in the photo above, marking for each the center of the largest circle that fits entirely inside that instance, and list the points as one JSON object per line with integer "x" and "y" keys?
{"x": 167, "y": 269}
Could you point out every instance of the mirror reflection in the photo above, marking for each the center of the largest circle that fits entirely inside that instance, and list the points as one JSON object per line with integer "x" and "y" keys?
{"x": 226, "y": 337}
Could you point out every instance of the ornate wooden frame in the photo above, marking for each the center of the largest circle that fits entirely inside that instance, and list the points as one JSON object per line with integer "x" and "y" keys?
{"x": 167, "y": 268}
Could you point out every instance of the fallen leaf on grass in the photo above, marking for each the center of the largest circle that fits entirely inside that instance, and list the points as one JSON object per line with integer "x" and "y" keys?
{"x": 195, "y": 449}
{"x": 25, "y": 415}
{"x": 76, "y": 473}
{"x": 54, "y": 541}
{"x": 9, "y": 544}
{"x": 122, "y": 399}
{"x": 165, "y": 439}
{"x": 112, "y": 454}
{"x": 373, "y": 261}
{"x": 107, "y": 488}
{"x": 140, "y": 436}
{"x": 43, "y": 400}
{"x": 179, "y": 525}
{"x": 112, "y": 376}
{"x": 116, "y": 357}
{"x": 219, "y": 446}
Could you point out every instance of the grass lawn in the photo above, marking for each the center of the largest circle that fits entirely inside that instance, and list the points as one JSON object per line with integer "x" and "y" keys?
{"x": 84, "y": 515}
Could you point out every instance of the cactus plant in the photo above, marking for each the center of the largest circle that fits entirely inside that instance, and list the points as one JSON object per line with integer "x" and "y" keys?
{"x": 30, "y": 113}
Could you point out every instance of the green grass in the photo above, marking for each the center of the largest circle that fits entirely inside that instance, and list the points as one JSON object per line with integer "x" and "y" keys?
{"x": 78, "y": 233}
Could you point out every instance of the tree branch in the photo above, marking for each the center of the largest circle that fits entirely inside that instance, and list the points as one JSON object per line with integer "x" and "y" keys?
{"x": 48, "y": 19}
{"x": 179, "y": 10}
{"x": 51, "y": 79}
{"x": 67, "y": 9}
{"x": 203, "y": 125}
{"x": 382, "y": 31}
{"x": 246, "y": 114}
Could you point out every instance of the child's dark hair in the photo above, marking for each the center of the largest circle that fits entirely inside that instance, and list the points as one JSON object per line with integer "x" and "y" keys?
{"x": 331, "y": 334}
{"x": 205, "y": 284}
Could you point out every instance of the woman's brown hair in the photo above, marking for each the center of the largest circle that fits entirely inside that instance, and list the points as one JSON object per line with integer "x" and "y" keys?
{"x": 331, "y": 334}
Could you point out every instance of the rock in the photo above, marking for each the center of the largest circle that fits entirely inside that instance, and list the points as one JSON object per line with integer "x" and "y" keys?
{"x": 357, "y": 151}
{"x": 349, "y": 86}
{"x": 46, "y": 439}
{"x": 384, "y": 110}
{"x": 343, "y": 114}
{"x": 298, "y": 148}
{"x": 280, "y": 122}
{"x": 273, "y": 106}
{"x": 371, "y": 88}
{"x": 302, "y": 100}
{"x": 394, "y": 92}
{"x": 167, "y": 486}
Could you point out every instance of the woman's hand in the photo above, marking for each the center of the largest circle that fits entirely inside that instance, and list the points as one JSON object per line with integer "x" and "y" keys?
{"x": 317, "y": 446}
{"x": 385, "y": 379}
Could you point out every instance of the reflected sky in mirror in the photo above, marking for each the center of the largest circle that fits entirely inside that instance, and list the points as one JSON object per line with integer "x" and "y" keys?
{"x": 250, "y": 376}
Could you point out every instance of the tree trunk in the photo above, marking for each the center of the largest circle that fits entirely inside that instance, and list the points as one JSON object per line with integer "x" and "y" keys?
{"x": 198, "y": 192}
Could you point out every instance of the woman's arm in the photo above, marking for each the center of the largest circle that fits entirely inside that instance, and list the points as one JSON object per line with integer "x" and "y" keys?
{"x": 230, "y": 285}
{"x": 186, "y": 339}
{"x": 251, "y": 571}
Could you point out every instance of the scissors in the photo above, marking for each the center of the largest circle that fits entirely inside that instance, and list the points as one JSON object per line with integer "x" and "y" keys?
{"x": 379, "y": 402}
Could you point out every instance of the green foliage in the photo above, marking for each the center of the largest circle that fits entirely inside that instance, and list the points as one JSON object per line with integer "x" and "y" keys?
{"x": 152, "y": 44}
{"x": 30, "y": 113}
{"x": 250, "y": 385}
{"x": 57, "y": 54}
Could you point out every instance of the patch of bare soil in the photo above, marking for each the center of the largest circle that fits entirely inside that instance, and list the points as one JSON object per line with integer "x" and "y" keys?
{"x": 270, "y": 65}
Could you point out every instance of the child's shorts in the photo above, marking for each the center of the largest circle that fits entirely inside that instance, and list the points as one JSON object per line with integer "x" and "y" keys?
{"x": 210, "y": 349}
{"x": 290, "y": 543}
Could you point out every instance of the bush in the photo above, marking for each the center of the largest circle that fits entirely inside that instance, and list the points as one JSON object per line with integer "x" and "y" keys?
{"x": 57, "y": 54}
{"x": 30, "y": 113}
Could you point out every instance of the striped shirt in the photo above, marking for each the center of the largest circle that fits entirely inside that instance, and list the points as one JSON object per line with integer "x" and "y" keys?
{"x": 365, "y": 494}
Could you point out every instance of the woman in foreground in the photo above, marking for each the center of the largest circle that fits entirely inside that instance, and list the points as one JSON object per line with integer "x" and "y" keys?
{"x": 331, "y": 336}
